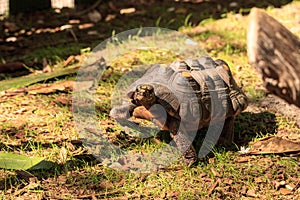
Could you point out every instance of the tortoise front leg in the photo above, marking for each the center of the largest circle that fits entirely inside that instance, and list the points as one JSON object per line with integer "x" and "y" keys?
{"x": 156, "y": 116}
{"x": 183, "y": 143}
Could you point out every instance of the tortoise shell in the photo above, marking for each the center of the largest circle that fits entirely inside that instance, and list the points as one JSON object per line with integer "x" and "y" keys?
{"x": 195, "y": 91}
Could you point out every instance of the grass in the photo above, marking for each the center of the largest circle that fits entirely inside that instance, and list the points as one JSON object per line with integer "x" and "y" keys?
{"x": 48, "y": 130}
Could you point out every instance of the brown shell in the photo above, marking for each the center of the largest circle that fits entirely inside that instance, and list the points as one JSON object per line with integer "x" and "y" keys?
{"x": 188, "y": 89}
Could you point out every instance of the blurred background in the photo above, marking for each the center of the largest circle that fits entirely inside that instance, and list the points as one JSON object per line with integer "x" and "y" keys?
{"x": 37, "y": 29}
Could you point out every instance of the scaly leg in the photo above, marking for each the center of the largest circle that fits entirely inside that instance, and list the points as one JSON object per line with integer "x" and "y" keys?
{"x": 183, "y": 143}
{"x": 156, "y": 117}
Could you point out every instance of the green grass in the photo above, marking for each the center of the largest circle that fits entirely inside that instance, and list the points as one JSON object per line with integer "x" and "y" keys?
{"x": 36, "y": 125}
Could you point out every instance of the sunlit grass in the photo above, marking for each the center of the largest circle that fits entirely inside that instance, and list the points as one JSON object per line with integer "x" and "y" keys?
{"x": 49, "y": 130}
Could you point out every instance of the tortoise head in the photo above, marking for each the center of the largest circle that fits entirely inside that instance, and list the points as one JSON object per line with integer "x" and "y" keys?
{"x": 144, "y": 96}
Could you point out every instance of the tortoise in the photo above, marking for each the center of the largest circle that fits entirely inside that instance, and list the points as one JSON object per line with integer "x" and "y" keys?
{"x": 194, "y": 93}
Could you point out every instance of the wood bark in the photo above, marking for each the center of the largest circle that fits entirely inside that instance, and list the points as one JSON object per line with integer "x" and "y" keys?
{"x": 275, "y": 52}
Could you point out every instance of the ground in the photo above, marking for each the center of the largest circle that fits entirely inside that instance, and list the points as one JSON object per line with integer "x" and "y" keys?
{"x": 40, "y": 123}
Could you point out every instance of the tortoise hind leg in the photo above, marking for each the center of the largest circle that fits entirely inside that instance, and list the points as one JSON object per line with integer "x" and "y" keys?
{"x": 226, "y": 137}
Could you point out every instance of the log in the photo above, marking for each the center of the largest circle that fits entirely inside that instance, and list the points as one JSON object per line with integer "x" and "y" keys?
{"x": 275, "y": 53}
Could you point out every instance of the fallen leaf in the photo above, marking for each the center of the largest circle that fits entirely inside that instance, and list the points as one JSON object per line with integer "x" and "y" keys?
{"x": 243, "y": 159}
{"x": 214, "y": 171}
{"x": 173, "y": 195}
{"x": 20, "y": 91}
{"x": 228, "y": 181}
{"x": 213, "y": 187}
{"x": 65, "y": 27}
{"x": 74, "y": 21}
{"x": 285, "y": 191}
{"x": 290, "y": 187}
{"x": 272, "y": 145}
{"x": 163, "y": 195}
{"x": 127, "y": 11}
{"x": 61, "y": 100}
{"x": 276, "y": 184}
{"x": 85, "y": 26}
{"x": 19, "y": 111}
{"x": 20, "y": 135}
{"x": 258, "y": 179}
{"x": 110, "y": 17}
{"x": 51, "y": 88}
{"x": 11, "y": 39}
{"x": 106, "y": 184}
{"x": 251, "y": 193}
{"x": 17, "y": 161}
{"x": 69, "y": 60}
{"x": 244, "y": 189}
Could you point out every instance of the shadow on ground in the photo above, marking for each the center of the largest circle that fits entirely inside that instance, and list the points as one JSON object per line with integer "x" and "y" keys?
{"x": 254, "y": 125}
{"x": 247, "y": 126}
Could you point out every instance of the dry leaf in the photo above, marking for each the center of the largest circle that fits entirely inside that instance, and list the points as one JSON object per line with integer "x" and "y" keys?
{"x": 251, "y": 193}
{"x": 51, "y": 88}
{"x": 285, "y": 191}
{"x": 74, "y": 21}
{"x": 69, "y": 60}
{"x": 127, "y": 11}
{"x": 213, "y": 187}
{"x": 110, "y": 17}
{"x": 275, "y": 145}
{"x": 214, "y": 171}
{"x": 243, "y": 159}
{"x": 106, "y": 184}
{"x": 85, "y": 26}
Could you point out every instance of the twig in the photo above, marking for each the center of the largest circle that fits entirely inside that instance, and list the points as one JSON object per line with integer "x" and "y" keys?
{"x": 74, "y": 35}
{"x": 95, "y": 5}
{"x": 213, "y": 187}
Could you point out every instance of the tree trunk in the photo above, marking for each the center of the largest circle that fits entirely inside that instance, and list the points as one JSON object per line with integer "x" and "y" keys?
{"x": 275, "y": 52}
